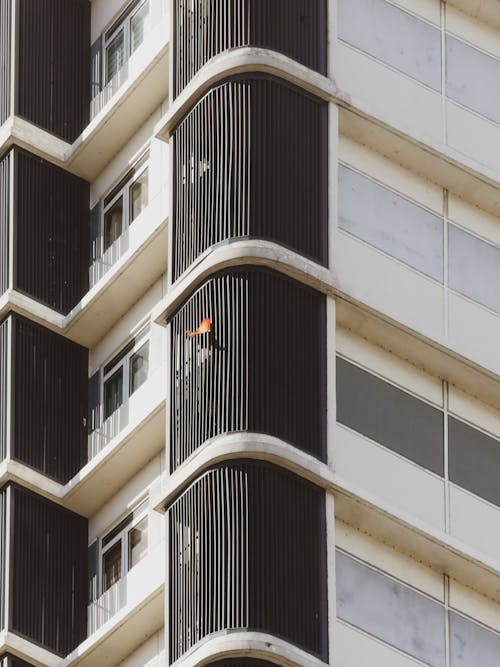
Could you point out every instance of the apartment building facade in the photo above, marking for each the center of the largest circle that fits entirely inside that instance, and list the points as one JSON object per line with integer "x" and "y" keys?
{"x": 249, "y": 380}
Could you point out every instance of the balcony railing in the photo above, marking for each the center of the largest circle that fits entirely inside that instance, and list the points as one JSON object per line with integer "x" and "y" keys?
{"x": 142, "y": 581}
{"x": 100, "y": 611}
{"x": 111, "y": 427}
{"x": 103, "y": 264}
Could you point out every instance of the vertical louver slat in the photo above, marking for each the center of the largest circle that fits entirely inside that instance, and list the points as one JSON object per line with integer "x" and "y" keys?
{"x": 246, "y": 166}
{"x": 261, "y": 368}
{"x": 202, "y": 30}
{"x": 5, "y": 59}
{"x": 48, "y": 580}
{"x": 280, "y": 588}
{"x": 50, "y": 400}
{"x": 5, "y": 223}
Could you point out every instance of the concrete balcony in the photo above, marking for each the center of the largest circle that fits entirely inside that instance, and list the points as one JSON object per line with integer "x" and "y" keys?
{"x": 125, "y": 614}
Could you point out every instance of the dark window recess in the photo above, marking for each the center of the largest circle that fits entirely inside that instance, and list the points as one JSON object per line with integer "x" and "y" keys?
{"x": 53, "y": 59}
{"x": 49, "y": 400}
{"x": 48, "y": 580}
{"x": 261, "y": 369}
{"x": 245, "y": 167}
{"x": 251, "y": 536}
{"x": 390, "y": 416}
{"x": 474, "y": 460}
{"x": 51, "y": 222}
{"x": 202, "y": 30}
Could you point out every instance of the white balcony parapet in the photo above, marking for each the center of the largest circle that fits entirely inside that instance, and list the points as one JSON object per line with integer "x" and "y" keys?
{"x": 142, "y": 581}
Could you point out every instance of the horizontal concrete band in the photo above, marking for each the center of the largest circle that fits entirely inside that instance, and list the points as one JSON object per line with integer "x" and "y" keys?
{"x": 241, "y": 644}
{"x": 353, "y": 504}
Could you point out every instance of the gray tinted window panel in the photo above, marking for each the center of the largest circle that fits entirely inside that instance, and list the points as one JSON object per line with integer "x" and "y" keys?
{"x": 474, "y": 268}
{"x": 390, "y": 416}
{"x": 393, "y": 36}
{"x": 391, "y": 223}
{"x": 472, "y": 645}
{"x": 390, "y": 611}
{"x": 472, "y": 78}
{"x": 474, "y": 460}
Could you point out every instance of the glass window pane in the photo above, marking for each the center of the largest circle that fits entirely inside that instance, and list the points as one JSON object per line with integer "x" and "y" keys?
{"x": 139, "y": 195}
{"x": 137, "y": 26}
{"x": 139, "y": 364}
{"x": 113, "y": 223}
{"x": 111, "y": 566}
{"x": 115, "y": 55}
{"x": 113, "y": 393}
{"x": 137, "y": 542}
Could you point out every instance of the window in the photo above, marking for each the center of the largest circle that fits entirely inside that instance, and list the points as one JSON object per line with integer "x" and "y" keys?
{"x": 124, "y": 546}
{"x": 124, "y": 203}
{"x": 124, "y": 37}
{"x": 125, "y": 373}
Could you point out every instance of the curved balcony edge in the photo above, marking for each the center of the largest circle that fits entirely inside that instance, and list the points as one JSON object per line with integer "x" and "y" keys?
{"x": 253, "y": 252}
{"x": 239, "y": 61}
{"x": 247, "y": 644}
{"x": 243, "y": 445}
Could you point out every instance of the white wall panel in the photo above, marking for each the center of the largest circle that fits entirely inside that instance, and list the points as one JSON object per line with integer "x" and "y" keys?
{"x": 475, "y": 521}
{"x": 386, "y": 285}
{"x": 389, "y": 477}
{"x": 393, "y": 36}
{"x": 387, "y": 94}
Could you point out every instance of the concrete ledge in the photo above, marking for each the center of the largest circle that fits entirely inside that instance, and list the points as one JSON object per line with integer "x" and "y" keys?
{"x": 240, "y": 252}
{"x": 24, "y": 649}
{"x": 250, "y": 644}
{"x": 242, "y": 60}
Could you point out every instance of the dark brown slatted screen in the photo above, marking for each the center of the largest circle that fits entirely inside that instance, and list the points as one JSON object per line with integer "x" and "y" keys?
{"x": 261, "y": 369}
{"x": 5, "y": 59}
{"x": 48, "y": 568}
{"x": 51, "y": 218}
{"x": 8, "y": 660}
{"x": 4, "y": 388}
{"x": 5, "y": 232}
{"x": 3, "y": 553}
{"x": 203, "y": 29}
{"x": 53, "y": 67}
{"x": 251, "y": 161}
{"x": 49, "y": 397}
{"x": 248, "y": 551}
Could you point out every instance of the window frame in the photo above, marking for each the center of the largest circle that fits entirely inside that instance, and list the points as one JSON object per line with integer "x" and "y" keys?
{"x": 122, "y": 190}
{"x": 128, "y": 523}
{"x": 123, "y": 358}
{"x": 123, "y": 22}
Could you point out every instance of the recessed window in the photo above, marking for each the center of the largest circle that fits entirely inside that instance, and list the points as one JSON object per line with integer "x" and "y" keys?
{"x": 124, "y": 37}
{"x": 124, "y": 546}
{"x": 125, "y": 373}
{"x": 125, "y": 203}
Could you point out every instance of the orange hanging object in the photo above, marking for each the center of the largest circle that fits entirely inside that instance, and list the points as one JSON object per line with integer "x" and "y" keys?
{"x": 205, "y": 327}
